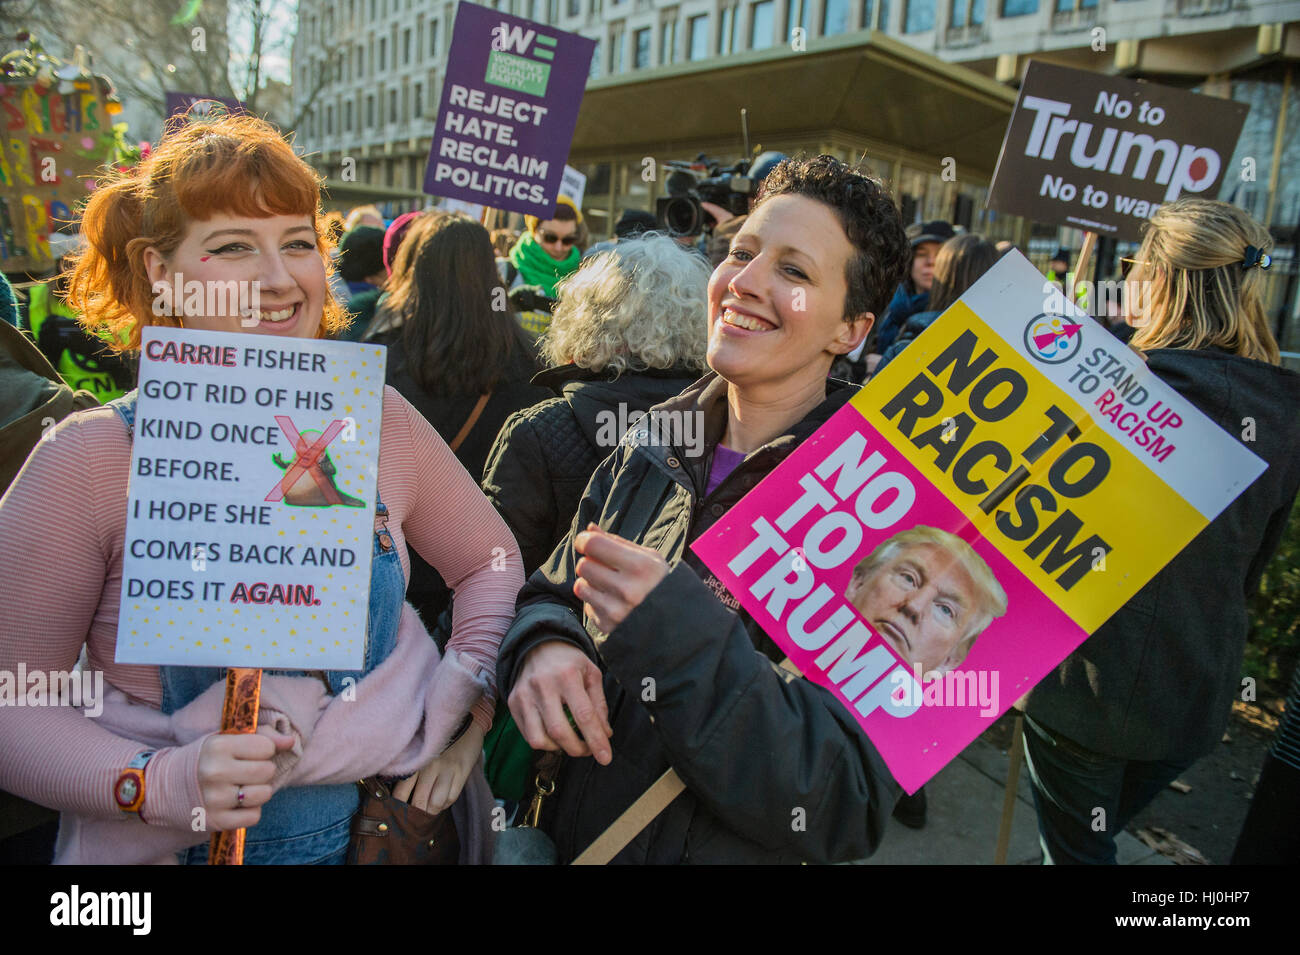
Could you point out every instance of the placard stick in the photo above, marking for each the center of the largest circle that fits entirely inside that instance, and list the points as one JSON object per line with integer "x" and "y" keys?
{"x": 1013, "y": 781}
{"x": 238, "y": 715}
{"x": 1080, "y": 269}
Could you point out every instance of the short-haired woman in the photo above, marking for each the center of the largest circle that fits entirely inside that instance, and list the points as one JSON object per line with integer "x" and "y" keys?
{"x": 622, "y": 600}
{"x": 629, "y": 332}
{"x": 1150, "y": 692}
{"x": 229, "y": 201}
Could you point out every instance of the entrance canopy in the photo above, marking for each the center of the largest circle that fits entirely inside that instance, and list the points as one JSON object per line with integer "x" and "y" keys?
{"x": 861, "y": 86}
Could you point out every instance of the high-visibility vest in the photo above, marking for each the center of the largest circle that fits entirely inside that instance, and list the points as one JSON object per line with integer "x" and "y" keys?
{"x": 78, "y": 369}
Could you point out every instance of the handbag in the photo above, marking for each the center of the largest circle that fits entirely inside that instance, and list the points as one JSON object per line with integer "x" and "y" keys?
{"x": 387, "y": 831}
{"x": 526, "y": 844}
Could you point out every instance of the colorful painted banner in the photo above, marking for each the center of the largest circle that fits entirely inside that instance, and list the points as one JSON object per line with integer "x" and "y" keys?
{"x": 252, "y": 501}
{"x": 1006, "y": 484}
{"x": 509, "y": 105}
{"x": 55, "y": 142}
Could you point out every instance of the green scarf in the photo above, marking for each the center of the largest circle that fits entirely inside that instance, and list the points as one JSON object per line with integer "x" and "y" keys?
{"x": 537, "y": 267}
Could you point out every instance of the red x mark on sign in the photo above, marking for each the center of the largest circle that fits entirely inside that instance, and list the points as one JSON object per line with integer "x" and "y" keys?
{"x": 308, "y": 460}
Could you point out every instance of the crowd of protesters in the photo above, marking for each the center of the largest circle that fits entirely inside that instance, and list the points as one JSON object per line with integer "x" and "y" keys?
{"x": 537, "y": 496}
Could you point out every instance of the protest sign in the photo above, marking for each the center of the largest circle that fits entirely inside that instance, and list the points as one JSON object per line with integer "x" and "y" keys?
{"x": 574, "y": 185}
{"x": 1000, "y": 489}
{"x": 54, "y": 142}
{"x": 197, "y": 105}
{"x": 470, "y": 209}
{"x": 252, "y": 501}
{"x": 509, "y": 104}
{"x": 1102, "y": 153}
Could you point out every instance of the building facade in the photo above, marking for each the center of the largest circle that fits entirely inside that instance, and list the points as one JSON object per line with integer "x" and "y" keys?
{"x": 372, "y": 70}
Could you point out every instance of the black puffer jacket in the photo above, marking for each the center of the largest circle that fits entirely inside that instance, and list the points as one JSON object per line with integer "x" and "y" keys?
{"x": 776, "y": 769}
{"x": 1157, "y": 680}
{"x": 544, "y": 455}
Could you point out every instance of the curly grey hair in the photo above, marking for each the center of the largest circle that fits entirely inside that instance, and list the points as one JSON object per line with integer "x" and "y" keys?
{"x": 643, "y": 304}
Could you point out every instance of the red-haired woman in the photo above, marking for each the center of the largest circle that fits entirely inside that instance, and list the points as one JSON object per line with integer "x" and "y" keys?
{"x": 219, "y": 202}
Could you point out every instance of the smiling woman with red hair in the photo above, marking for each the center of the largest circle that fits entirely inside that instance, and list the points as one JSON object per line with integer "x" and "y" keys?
{"x": 227, "y": 204}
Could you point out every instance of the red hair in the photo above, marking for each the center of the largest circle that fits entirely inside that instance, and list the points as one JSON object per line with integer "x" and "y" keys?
{"x": 238, "y": 165}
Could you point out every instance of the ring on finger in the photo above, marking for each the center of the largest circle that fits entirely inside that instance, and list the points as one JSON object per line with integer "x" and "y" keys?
{"x": 239, "y": 796}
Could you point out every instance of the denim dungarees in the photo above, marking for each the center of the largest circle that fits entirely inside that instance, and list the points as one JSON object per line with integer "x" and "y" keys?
{"x": 302, "y": 825}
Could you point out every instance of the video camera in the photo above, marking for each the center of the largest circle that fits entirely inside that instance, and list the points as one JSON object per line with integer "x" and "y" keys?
{"x": 704, "y": 180}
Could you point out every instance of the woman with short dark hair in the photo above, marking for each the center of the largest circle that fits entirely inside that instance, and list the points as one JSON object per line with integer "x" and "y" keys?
{"x": 623, "y": 600}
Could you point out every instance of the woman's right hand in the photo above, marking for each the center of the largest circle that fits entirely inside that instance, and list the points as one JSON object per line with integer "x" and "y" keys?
{"x": 557, "y": 675}
{"x": 231, "y": 762}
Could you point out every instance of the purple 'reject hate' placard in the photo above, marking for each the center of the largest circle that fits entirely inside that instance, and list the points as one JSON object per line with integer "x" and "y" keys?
{"x": 509, "y": 105}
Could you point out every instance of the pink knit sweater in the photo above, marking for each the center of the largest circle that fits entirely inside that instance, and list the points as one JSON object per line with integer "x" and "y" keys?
{"x": 62, "y": 528}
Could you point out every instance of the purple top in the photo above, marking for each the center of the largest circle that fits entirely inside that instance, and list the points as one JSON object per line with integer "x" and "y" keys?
{"x": 725, "y": 461}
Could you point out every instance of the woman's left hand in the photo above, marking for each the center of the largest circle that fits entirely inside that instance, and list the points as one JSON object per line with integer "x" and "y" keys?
{"x": 614, "y": 575}
{"x": 438, "y": 784}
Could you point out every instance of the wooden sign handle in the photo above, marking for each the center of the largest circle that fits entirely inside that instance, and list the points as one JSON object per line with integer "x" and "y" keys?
{"x": 1081, "y": 268}
{"x": 238, "y": 715}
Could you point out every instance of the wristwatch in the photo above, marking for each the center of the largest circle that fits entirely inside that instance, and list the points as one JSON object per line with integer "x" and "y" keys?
{"x": 128, "y": 791}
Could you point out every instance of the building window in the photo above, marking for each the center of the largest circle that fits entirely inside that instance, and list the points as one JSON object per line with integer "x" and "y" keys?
{"x": 392, "y": 106}
{"x": 1019, "y": 8}
{"x": 372, "y": 9}
{"x": 361, "y": 61}
{"x": 699, "y": 49}
{"x": 347, "y": 116}
{"x": 869, "y": 9}
{"x": 616, "y": 49}
{"x": 406, "y": 47}
{"x": 668, "y": 41}
{"x": 835, "y": 17}
{"x": 596, "y": 7}
{"x": 1067, "y": 6}
{"x": 918, "y": 16}
{"x": 574, "y": 8}
{"x": 370, "y": 110}
{"x": 595, "y": 61}
{"x": 798, "y": 14}
{"x": 530, "y": 9}
{"x": 329, "y": 120}
{"x": 552, "y": 11}
{"x": 761, "y": 24}
{"x": 727, "y": 31}
{"x": 418, "y": 109}
{"x": 641, "y": 53}
{"x": 967, "y": 12}
{"x": 383, "y": 53}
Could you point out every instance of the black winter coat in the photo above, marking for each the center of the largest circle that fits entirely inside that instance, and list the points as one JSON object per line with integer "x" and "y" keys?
{"x": 1157, "y": 680}
{"x": 544, "y": 455}
{"x": 776, "y": 769}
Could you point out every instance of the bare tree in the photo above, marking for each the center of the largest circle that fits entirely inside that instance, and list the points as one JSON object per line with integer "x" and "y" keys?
{"x": 148, "y": 47}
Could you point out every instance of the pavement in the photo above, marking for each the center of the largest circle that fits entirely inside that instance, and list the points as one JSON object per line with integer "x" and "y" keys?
{"x": 965, "y": 811}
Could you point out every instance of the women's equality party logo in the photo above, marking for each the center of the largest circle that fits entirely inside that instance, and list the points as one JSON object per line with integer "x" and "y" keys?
{"x": 1053, "y": 340}
{"x": 520, "y": 59}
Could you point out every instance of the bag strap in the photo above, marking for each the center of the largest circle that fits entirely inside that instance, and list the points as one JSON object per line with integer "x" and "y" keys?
{"x": 635, "y": 818}
{"x": 642, "y": 812}
{"x": 468, "y": 426}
